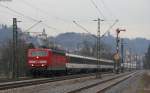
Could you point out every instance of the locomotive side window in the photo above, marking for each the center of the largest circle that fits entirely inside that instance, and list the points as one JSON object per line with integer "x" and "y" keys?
{"x": 39, "y": 53}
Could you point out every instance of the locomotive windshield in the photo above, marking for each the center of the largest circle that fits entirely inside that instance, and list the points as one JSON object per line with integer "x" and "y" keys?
{"x": 39, "y": 53}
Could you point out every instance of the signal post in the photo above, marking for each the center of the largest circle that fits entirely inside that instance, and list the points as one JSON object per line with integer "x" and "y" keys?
{"x": 117, "y": 58}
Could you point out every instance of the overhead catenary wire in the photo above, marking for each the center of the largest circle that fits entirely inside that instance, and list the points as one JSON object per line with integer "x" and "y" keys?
{"x": 99, "y": 11}
{"x": 48, "y": 26}
{"x": 33, "y": 26}
{"x": 43, "y": 11}
{"x": 108, "y": 9}
{"x": 46, "y": 13}
{"x": 80, "y": 26}
{"x": 108, "y": 30}
{"x": 110, "y": 25}
{"x": 28, "y": 17}
{"x": 110, "y": 12}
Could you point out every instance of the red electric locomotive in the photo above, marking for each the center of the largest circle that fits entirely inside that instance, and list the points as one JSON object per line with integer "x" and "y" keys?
{"x": 46, "y": 61}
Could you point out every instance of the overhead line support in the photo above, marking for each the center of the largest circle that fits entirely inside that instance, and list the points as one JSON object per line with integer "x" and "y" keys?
{"x": 98, "y": 75}
{"x": 15, "y": 44}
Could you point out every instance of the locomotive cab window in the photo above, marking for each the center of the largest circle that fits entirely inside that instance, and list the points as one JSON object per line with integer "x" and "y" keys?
{"x": 39, "y": 53}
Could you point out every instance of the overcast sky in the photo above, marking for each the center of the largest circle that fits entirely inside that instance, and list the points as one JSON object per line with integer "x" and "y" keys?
{"x": 133, "y": 15}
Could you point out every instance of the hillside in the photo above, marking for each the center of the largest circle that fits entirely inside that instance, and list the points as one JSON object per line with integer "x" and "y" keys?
{"x": 74, "y": 40}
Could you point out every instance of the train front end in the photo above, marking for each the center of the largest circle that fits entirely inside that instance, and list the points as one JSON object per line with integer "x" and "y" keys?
{"x": 38, "y": 58}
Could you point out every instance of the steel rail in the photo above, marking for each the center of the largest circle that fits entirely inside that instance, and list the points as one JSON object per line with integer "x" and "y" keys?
{"x": 98, "y": 83}
{"x": 112, "y": 85}
{"x": 17, "y": 84}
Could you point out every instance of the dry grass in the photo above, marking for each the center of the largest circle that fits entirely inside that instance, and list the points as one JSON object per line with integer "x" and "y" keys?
{"x": 145, "y": 83}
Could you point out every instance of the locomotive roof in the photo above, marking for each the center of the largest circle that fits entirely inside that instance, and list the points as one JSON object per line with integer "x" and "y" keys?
{"x": 40, "y": 49}
{"x": 90, "y": 58}
{"x": 52, "y": 50}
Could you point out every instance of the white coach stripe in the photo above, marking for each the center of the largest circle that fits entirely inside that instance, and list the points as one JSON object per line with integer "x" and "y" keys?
{"x": 74, "y": 65}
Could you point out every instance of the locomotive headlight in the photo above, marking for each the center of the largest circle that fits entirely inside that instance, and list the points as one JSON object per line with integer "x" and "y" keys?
{"x": 32, "y": 65}
{"x": 42, "y": 65}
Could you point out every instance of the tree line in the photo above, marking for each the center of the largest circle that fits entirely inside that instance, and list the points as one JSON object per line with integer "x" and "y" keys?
{"x": 147, "y": 59}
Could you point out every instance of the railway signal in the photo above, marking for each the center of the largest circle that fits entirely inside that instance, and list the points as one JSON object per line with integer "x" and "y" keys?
{"x": 117, "y": 55}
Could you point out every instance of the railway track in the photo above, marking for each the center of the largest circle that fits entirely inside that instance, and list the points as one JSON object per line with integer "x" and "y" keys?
{"x": 23, "y": 83}
{"x": 103, "y": 85}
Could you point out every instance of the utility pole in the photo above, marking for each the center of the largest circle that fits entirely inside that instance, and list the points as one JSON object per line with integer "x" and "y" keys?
{"x": 136, "y": 62}
{"x": 122, "y": 55}
{"x": 98, "y": 75}
{"x": 98, "y": 49}
{"x": 15, "y": 70}
{"x": 15, "y": 37}
{"x": 130, "y": 60}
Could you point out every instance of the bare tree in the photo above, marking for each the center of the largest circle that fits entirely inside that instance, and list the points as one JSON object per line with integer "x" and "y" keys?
{"x": 90, "y": 49}
{"x": 147, "y": 59}
{"x": 7, "y": 58}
